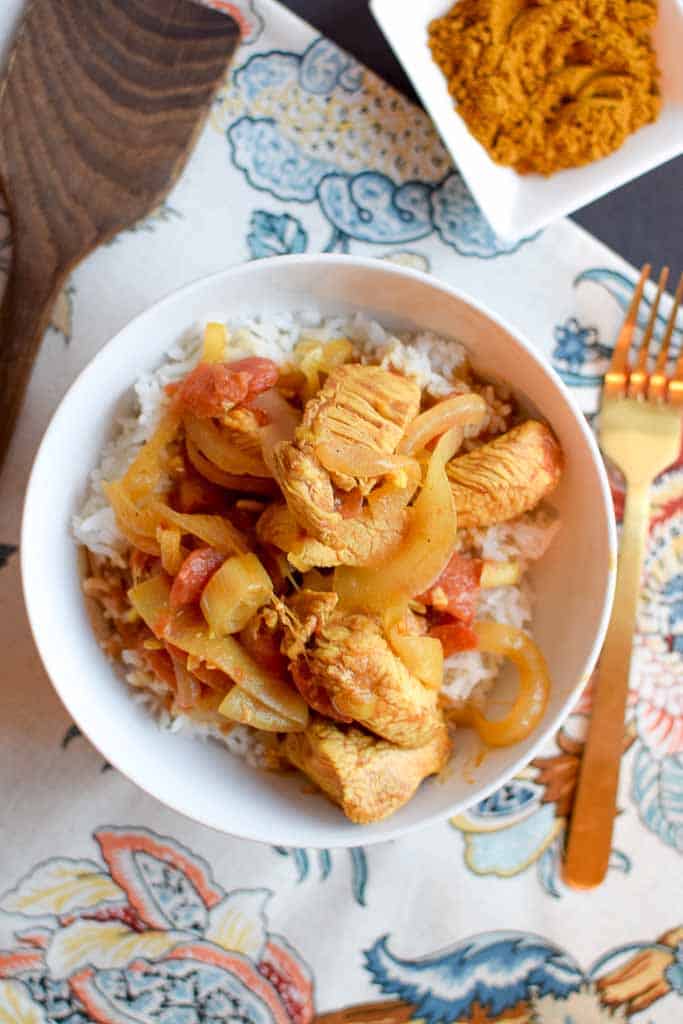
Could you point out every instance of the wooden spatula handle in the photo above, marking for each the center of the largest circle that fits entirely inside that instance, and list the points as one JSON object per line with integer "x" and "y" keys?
{"x": 24, "y": 316}
{"x": 592, "y": 821}
{"x": 99, "y": 110}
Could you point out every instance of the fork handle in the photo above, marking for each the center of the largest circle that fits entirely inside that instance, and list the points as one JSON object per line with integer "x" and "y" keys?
{"x": 590, "y": 830}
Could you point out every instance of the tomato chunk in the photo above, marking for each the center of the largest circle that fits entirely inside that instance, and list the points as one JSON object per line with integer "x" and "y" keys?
{"x": 262, "y": 373}
{"x": 455, "y": 637}
{"x": 456, "y": 592}
{"x": 213, "y": 389}
{"x": 195, "y": 573}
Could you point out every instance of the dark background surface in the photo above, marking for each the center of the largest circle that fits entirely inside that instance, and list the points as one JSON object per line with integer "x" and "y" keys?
{"x": 642, "y": 221}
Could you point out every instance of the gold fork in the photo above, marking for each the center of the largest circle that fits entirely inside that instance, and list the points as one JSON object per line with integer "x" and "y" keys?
{"x": 640, "y": 431}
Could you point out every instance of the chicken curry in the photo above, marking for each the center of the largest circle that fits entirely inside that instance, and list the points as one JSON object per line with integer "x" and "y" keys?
{"x": 298, "y": 561}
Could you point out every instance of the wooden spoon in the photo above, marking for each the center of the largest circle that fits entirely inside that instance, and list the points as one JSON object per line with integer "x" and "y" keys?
{"x": 99, "y": 110}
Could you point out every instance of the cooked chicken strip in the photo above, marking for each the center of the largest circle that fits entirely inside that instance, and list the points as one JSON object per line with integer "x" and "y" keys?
{"x": 369, "y": 778}
{"x": 362, "y": 540}
{"x": 361, "y": 406}
{"x": 349, "y": 672}
{"x": 506, "y": 477}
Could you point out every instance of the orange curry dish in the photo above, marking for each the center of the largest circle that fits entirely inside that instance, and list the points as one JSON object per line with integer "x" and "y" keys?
{"x": 300, "y": 558}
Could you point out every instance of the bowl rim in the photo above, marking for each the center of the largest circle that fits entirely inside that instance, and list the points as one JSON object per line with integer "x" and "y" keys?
{"x": 31, "y": 518}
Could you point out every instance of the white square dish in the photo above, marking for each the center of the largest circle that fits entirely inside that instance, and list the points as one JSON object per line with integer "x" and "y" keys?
{"x": 519, "y": 205}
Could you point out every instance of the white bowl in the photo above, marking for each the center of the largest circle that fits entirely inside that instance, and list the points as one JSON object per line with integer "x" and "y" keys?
{"x": 518, "y": 205}
{"x": 574, "y": 581}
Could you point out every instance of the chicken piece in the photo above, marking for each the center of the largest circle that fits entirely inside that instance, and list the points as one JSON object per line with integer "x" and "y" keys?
{"x": 369, "y": 778}
{"x": 302, "y": 617}
{"x": 349, "y": 672}
{"x": 506, "y": 477}
{"x": 304, "y": 614}
{"x": 358, "y": 406}
{"x": 313, "y": 607}
{"x": 366, "y": 539}
{"x": 277, "y": 526}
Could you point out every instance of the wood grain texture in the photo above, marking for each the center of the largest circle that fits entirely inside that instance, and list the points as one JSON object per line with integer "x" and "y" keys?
{"x": 99, "y": 109}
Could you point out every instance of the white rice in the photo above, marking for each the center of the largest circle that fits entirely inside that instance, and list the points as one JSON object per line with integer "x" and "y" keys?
{"x": 525, "y": 539}
{"x": 429, "y": 359}
{"x": 472, "y": 670}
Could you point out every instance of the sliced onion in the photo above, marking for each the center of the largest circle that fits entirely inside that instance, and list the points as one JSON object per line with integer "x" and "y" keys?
{"x": 306, "y": 345}
{"x": 336, "y": 353}
{"x": 314, "y": 357}
{"x": 171, "y": 550}
{"x": 151, "y": 600}
{"x": 188, "y": 689}
{"x": 396, "y": 494}
{"x": 234, "y": 594}
{"x": 534, "y": 686}
{"x": 188, "y": 631}
{"x": 135, "y": 496}
{"x": 358, "y": 460}
{"x": 148, "y": 522}
{"x": 238, "y": 706}
{"x": 215, "y": 343}
{"x": 459, "y": 411}
{"x": 216, "y": 531}
{"x": 134, "y": 520}
{"x": 216, "y": 446}
{"x": 229, "y": 481}
{"x": 421, "y": 655}
{"x": 206, "y": 710}
{"x": 425, "y": 550}
{"x": 143, "y": 544}
{"x": 145, "y": 472}
{"x": 310, "y": 365}
{"x": 284, "y": 419}
{"x": 211, "y": 677}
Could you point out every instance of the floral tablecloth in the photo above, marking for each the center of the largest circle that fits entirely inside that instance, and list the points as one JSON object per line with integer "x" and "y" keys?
{"x": 114, "y": 909}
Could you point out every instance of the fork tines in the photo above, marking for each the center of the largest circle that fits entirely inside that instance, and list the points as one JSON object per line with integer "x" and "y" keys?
{"x": 630, "y": 374}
